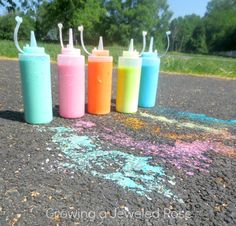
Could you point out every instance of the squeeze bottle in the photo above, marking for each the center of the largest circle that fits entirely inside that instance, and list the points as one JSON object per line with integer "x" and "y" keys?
{"x": 71, "y": 79}
{"x": 35, "y": 80}
{"x": 99, "y": 78}
{"x": 149, "y": 76}
{"x": 128, "y": 80}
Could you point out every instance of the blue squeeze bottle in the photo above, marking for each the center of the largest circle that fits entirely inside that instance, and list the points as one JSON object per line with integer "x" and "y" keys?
{"x": 35, "y": 80}
{"x": 149, "y": 76}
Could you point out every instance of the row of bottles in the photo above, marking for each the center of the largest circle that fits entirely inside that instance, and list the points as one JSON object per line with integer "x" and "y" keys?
{"x": 137, "y": 79}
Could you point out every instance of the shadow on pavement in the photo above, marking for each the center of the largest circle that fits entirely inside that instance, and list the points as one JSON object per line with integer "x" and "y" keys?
{"x": 12, "y": 115}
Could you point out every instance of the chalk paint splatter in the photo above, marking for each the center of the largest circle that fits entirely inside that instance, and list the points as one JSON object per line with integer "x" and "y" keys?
{"x": 193, "y": 116}
{"x": 187, "y": 156}
{"x": 188, "y": 125}
{"x": 223, "y": 133}
{"x": 132, "y": 172}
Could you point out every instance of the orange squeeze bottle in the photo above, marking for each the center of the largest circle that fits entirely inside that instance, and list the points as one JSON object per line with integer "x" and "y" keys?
{"x": 99, "y": 78}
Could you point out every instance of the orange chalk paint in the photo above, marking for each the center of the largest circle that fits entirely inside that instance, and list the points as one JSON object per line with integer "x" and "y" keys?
{"x": 99, "y": 86}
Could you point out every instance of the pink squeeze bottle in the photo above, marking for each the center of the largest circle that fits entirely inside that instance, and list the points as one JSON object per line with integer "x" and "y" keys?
{"x": 71, "y": 79}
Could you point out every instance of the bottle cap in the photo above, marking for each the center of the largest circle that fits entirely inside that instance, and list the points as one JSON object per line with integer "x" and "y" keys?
{"x": 131, "y": 52}
{"x": 28, "y": 49}
{"x": 69, "y": 49}
{"x": 100, "y": 51}
{"x": 152, "y": 53}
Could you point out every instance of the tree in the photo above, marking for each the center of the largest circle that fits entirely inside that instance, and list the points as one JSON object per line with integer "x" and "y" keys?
{"x": 197, "y": 42}
{"x": 182, "y": 31}
{"x": 220, "y": 23}
{"x": 8, "y": 23}
{"x": 128, "y": 18}
{"x": 71, "y": 13}
{"x": 10, "y": 5}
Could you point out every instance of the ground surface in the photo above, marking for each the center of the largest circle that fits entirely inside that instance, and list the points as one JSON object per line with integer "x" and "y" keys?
{"x": 163, "y": 166}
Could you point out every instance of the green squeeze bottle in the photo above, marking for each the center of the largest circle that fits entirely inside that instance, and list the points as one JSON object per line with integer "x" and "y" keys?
{"x": 128, "y": 79}
{"x": 35, "y": 80}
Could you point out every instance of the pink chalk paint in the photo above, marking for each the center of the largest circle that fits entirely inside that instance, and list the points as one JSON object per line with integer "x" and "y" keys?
{"x": 188, "y": 157}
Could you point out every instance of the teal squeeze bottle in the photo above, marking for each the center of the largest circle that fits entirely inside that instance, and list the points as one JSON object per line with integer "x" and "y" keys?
{"x": 35, "y": 80}
{"x": 149, "y": 76}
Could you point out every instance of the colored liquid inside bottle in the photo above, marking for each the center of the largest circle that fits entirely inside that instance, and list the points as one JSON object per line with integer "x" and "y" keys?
{"x": 128, "y": 89}
{"x": 36, "y": 88}
{"x": 149, "y": 80}
{"x": 99, "y": 85}
{"x": 128, "y": 80}
{"x": 71, "y": 79}
{"x": 71, "y": 83}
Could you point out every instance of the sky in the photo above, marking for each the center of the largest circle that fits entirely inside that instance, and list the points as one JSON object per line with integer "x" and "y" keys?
{"x": 187, "y": 7}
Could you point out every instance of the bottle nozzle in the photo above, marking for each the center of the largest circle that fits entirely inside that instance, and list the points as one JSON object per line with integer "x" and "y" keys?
{"x": 33, "y": 42}
{"x": 81, "y": 29}
{"x": 60, "y": 26}
{"x": 70, "y": 38}
{"x": 131, "y": 45}
{"x": 144, "y": 33}
{"x": 151, "y": 45}
{"x": 19, "y": 21}
{"x": 168, "y": 33}
{"x": 100, "y": 45}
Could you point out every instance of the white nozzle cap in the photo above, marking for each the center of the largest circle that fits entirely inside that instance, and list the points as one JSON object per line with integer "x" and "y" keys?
{"x": 81, "y": 30}
{"x": 100, "y": 45}
{"x": 144, "y": 33}
{"x": 151, "y": 45}
{"x": 131, "y": 45}
{"x": 60, "y": 26}
{"x": 70, "y": 45}
{"x": 168, "y": 33}
{"x": 19, "y": 21}
{"x": 33, "y": 42}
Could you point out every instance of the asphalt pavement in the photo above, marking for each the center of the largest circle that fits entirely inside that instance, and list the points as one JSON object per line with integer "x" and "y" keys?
{"x": 174, "y": 164}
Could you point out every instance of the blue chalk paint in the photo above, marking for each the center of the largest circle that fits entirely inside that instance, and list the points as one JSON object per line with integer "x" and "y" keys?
{"x": 128, "y": 171}
{"x": 193, "y": 116}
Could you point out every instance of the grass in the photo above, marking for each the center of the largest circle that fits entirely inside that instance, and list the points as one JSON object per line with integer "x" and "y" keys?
{"x": 204, "y": 65}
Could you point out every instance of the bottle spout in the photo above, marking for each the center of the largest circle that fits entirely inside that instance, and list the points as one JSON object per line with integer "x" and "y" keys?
{"x": 144, "y": 33}
{"x": 70, "y": 45}
{"x": 151, "y": 45}
{"x": 33, "y": 42}
{"x": 60, "y": 26}
{"x": 19, "y": 21}
{"x": 168, "y": 33}
{"x": 131, "y": 45}
{"x": 81, "y": 30}
{"x": 100, "y": 45}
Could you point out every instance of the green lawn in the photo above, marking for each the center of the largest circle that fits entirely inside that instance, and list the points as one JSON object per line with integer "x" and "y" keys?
{"x": 205, "y": 65}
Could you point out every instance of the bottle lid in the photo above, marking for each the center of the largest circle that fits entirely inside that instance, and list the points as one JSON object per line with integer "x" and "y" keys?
{"x": 100, "y": 51}
{"x": 69, "y": 49}
{"x": 152, "y": 53}
{"x": 131, "y": 52}
{"x": 28, "y": 49}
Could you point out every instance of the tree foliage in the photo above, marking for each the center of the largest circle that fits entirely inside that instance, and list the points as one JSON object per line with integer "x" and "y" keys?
{"x": 120, "y": 20}
{"x": 182, "y": 31}
{"x": 125, "y": 19}
{"x": 220, "y": 23}
{"x": 7, "y": 25}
